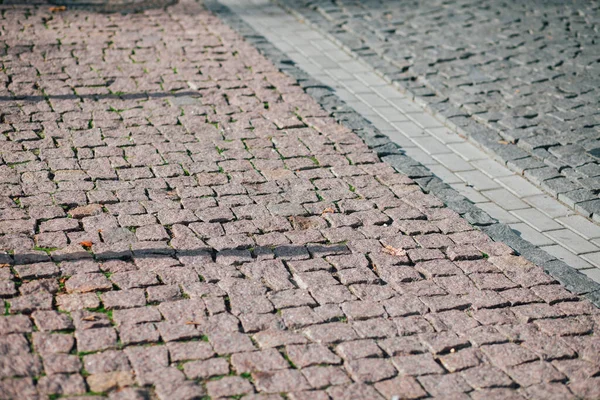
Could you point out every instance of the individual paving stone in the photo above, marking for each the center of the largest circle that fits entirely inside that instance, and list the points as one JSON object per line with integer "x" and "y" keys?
{"x": 229, "y": 386}
{"x": 110, "y": 381}
{"x": 444, "y": 385}
{"x": 136, "y": 315}
{"x": 20, "y": 365}
{"x": 52, "y": 321}
{"x": 230, "y": 342}
{"x": 508, "y": 355}
{"x": 206, "y": 369}
{"x": 139, "y": 334}
{"x": 134, "y": 279}
{"x": 107, "y": 361}
{"x": 358, "y": 349}
{"x": 96, "y": 339}
{"x": 81, "y": 283}
{"x": 331, "y": 332}
{"x": 30, "y": 303}
{"x": 420, "y": 364}
{"x": 535, "y": 373}
{"x": 280, "y": 381}
{"x": 405, "y": 387}
{"x": 370, "y": 369}
{"x": 61, "y": 364}
{"x": 313, "y": 354}
{"x": 463, "y": 359}
{"x": 356, "y": 390}
{"x": 37, "y": 270}
{"x": 123, "y": 299}
{"x": 72, "y": 384}
{"x": 266, "y": 360}
{"x": 52, "y": 343}
{"x": 486, "y": 377}
{"x": 162, "y": 293}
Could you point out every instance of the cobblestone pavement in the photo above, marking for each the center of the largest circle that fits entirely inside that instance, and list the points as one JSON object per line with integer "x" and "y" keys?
{"x": 520, "y": 78}
{"x": 180, "y": 220}
{"x": 497, "y": 192}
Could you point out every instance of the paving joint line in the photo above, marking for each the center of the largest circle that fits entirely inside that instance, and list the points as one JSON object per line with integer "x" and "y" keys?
{"x": 391, "y": 153}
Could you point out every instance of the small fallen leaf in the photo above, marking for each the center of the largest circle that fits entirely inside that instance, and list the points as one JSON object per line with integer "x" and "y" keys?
{"x": 58, "y": 9}
{"x": 193, "y": 323}
{"x": 90, "y": 318}
{"x": 394, "y": 251}
{"x": 503, "y": 142}
{"x": 328, "y": 210}
{"x": 86, "y": 244}
{"x": 4, "y": 265}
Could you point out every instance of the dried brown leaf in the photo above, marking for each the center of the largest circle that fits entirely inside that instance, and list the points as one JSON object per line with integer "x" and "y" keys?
{"x": 394, "y": 251}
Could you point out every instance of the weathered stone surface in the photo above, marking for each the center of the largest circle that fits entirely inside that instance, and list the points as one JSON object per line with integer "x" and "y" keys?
{"x": 220, "y": 234}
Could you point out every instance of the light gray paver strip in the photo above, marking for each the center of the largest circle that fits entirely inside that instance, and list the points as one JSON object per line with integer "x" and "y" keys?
{"x": 469, "y": 163}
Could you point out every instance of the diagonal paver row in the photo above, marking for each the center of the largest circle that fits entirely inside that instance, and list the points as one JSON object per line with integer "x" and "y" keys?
{"x": 520, "y": 79}
{"x": 180, "y": 220}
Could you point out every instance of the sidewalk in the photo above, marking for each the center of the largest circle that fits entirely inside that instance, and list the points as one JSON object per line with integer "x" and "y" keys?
{"x": 520, "y": 80}
{"x": 499, "y": 190}
{"x": 182, "y": 220}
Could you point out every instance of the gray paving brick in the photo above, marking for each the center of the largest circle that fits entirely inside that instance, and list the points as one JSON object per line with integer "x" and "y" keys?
{"x": 497, "y": 212}
{"x": 531, "y": 235}
{"x": 537, "y": 219}
{"x": 468, "y": 151}
{"x": 505, "y": 199}
{"x": 492, "y": 168}
{"x": 405, "y": 105}
{"x": 548, "y": 206}
{"x": 519, "y": 186}
{"x": 410, "y": 129}
{"x": 425, "y": 120}
{"x": 593, "y": 258}
{"x": 593, "y": 273}
{"x": 572, "y": 241}
{"x": 453, "y": 162}
{"x": 568, "y": 257}
{"x": 478, "y": 180}
{"x": 581, "y": 225}
{"x": 467, "y": 191}
{"x": 445, "y": 135}
{"x": 431, "y": 145}
{"x": 445, "y": 174}
{"x": 391, "y": 114}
